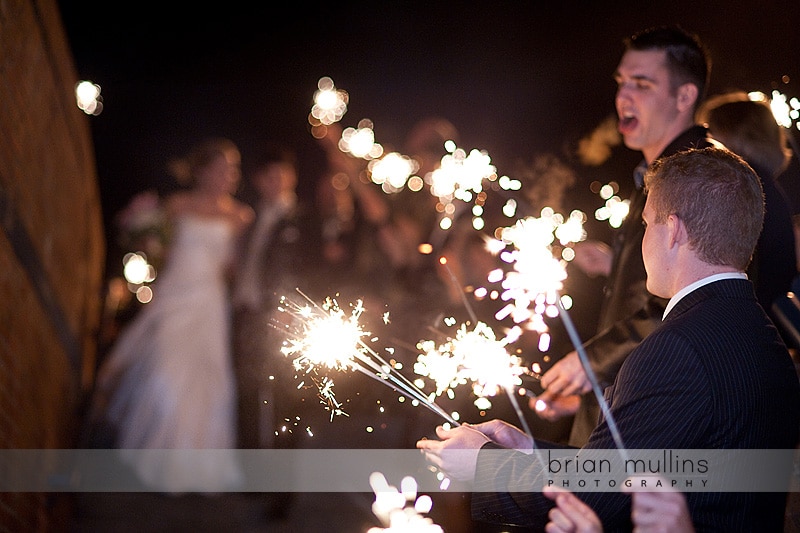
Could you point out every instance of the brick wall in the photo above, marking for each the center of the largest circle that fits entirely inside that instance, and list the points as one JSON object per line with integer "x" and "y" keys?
{"x": 51, "y": 248}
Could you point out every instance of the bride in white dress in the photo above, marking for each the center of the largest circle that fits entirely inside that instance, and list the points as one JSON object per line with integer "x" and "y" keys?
{"x": 168, "y": 383}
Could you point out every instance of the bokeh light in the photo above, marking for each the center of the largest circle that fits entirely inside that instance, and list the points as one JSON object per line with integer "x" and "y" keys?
{"x": 88, "y": 97}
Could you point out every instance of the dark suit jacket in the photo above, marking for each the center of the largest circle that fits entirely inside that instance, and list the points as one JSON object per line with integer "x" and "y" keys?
{"x": 774, "y": 263}
{"x": 289, "y": 255}
{"x": 714, "y": 375}
{"x": 629, "y": 312}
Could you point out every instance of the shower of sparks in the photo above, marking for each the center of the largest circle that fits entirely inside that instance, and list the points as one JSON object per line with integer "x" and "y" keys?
{"x": 615, "y": 209}
{"x": 401, "y": 511}
{"x": 474, "y": 356}
{"x": 439, "y": 364}
{"x": 539, "y": 250}
{"x": 487, "y": 363}
{"x": 328, "y": 338}
{"x": 786, "y": 110}
{"x": 330, "y": 103}
{"x": 477, "y": 357}
{"x": 331, "y": 338}
{"x": 461, "y": 176}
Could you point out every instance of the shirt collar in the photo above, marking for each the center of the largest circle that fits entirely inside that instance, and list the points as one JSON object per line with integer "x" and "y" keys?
{"x": 697, "y": 284}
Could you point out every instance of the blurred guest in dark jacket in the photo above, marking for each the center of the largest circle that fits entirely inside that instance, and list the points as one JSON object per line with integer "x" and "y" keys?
{"x": 749, "y": 129}
{"x": 274, "y": 260}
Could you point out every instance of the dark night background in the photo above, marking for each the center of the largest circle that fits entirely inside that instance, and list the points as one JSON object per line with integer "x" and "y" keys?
{"x": 517, "y": 78}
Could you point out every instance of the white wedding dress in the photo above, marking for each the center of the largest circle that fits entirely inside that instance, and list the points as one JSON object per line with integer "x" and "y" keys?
{"x": 169, "y": 380}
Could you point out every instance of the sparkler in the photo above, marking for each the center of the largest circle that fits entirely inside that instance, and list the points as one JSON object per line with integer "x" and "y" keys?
{"x": 461, "y": 176}
{"x": 392, "y": 171}
{"x": 539, "y": 250}
{"x": 786, "y": 110}
{"x": 330, "y": 103}
{"x": 360, "y": 142}
{"x": 474, "y": 356}
{"x": 615, "y": 210}
{"x": 402, "y": 511}
{"x": 538, "y": 279}
{"x": 328, "y": 338}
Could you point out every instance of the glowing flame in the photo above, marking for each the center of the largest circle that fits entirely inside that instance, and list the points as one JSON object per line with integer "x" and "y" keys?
{"x": 88, "y": 97}
{"x": 138, "y": 272}
{"x": 615, "y": 210}
{"x": 486, "y": 361}
{"x": 331, "y": 340}
{"x": 461, "y": 176}
{"x": 785, "y": 110}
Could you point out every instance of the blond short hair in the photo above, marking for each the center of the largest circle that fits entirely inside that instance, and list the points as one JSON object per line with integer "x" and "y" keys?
{"x": 719, "y": 198}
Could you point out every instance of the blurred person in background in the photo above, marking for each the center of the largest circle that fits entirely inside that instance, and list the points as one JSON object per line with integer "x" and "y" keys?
{"x": 661, "y": 81}
{"x": 749, "y": 129}
{"x": 168, "y": 382}
{"x": 274, "y": 260}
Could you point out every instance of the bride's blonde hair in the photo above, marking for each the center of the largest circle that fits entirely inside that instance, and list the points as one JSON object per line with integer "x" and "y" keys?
{"x": 184, "y": 169}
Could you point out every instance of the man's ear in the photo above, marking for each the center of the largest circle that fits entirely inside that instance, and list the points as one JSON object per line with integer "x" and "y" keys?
{"x": 687, "y": 96}
{"x": 677, "y": 231}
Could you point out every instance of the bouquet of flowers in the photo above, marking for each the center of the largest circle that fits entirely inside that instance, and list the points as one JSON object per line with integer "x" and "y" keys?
{"x": 142, "y": 226}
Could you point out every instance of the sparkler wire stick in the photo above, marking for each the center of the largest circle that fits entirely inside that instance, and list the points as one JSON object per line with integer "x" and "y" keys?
{"x": 472, "y": 315}
{"x": 515, "y": 404}
{"x": 402, "y": 385}
{"x": 402, "y": 390}
{"x": 576, "y": 342}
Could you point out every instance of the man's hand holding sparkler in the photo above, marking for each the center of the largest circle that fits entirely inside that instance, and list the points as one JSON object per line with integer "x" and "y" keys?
{"x": 593, "y": 257}
{"x": 657, "y": 507}
{"x": 564, "y": 383}
{"x": 506, "y": 435}
{"x": 456, "y": 453}
{"x": 570, "y": 513}
{"x": 652, "y": 509}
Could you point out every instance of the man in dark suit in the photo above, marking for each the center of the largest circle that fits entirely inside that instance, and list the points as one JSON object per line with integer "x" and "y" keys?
{"x": 273, "y": 261}
{"x": 661, "y": 80}
{"x": 714, "y": 375}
